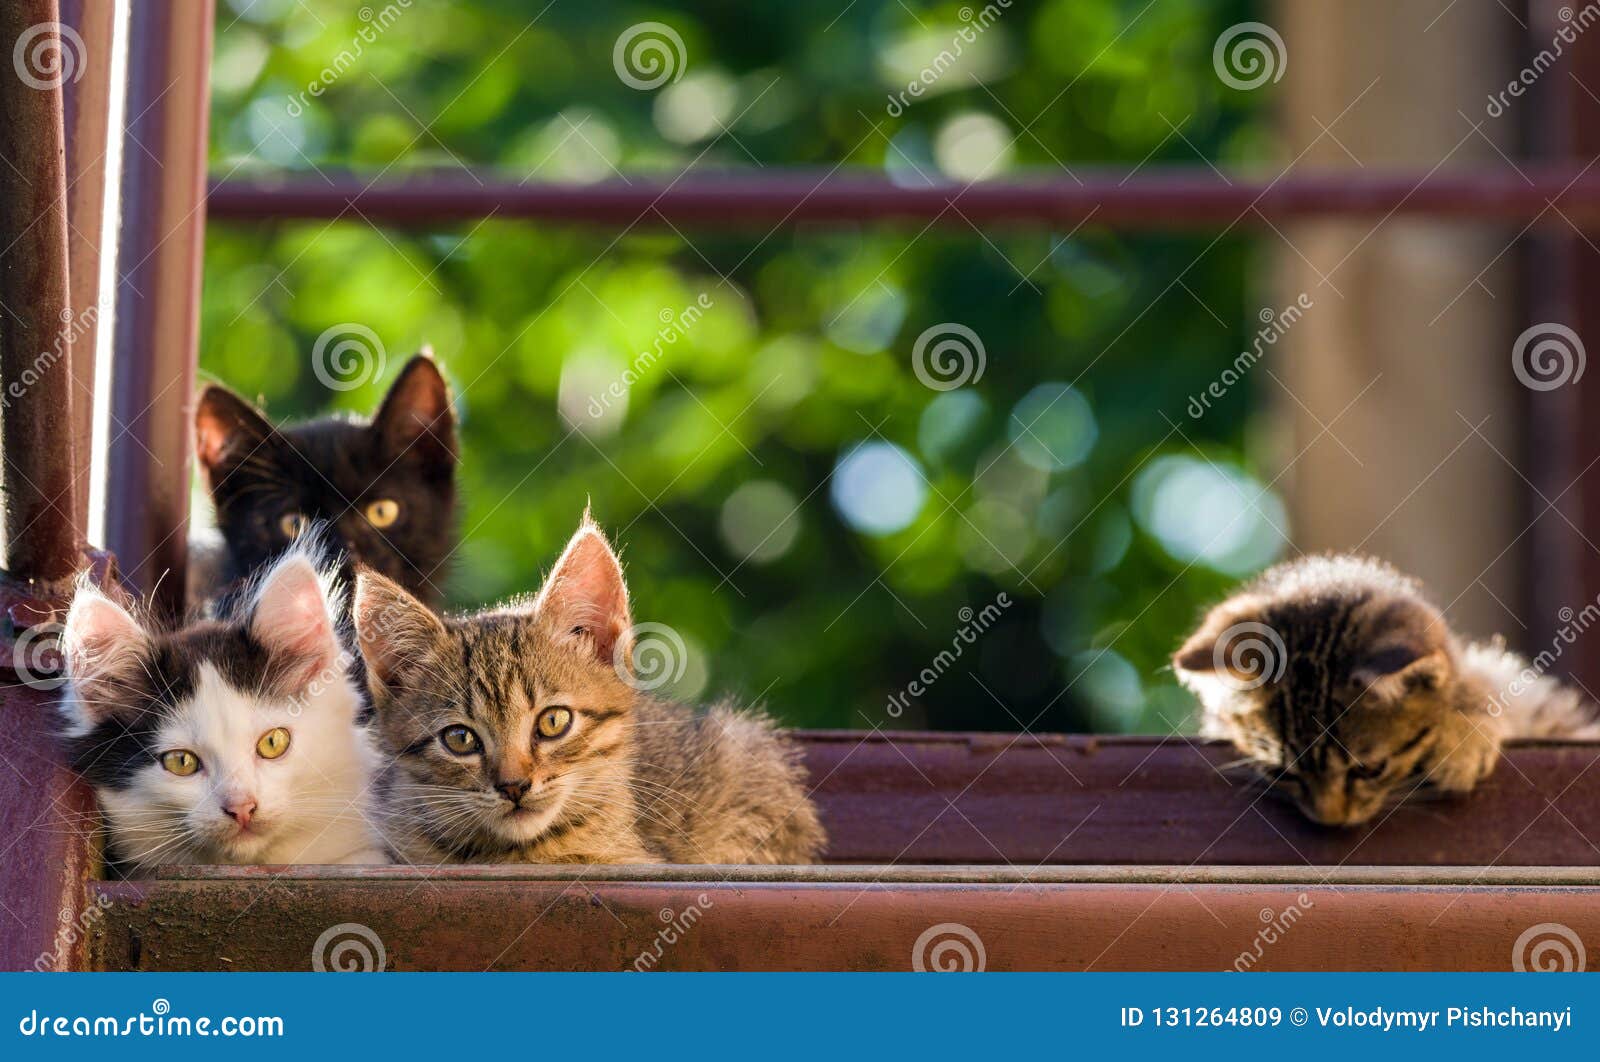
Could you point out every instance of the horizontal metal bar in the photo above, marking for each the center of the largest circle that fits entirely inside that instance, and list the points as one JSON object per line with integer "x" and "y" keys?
{"x": 289, "y": 924}
{"x": 1146, "y": 199}
{"x": 976, "y": 874}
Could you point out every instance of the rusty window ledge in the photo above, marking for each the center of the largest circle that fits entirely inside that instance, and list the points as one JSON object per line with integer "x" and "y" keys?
{"x": 1111, "y": 918}
{"x": 1058, "y": 852}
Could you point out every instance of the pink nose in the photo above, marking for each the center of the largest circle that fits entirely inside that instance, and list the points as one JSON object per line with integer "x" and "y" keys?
{"x": 240, "y": 810}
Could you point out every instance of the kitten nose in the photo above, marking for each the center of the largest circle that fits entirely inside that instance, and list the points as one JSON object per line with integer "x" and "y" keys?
{"x": 514, "y": 791}
{"x": 1327, "y": 807}
{"x": 240, "y": 810}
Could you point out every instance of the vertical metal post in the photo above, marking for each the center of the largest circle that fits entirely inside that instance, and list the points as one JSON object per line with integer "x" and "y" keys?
{"x": 158, "y": 301}
{"x": 42, "y": 541}
{"x": 1563, "y": 435}
{"x": 43, "y": 808}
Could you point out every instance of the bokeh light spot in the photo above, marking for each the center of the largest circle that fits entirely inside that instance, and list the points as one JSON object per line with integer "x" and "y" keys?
{"x": 1207, "y": 513}
{"x": 878, "y": 488}
{"x": 760, "y": 521}
{"x": 1053, "y": 427}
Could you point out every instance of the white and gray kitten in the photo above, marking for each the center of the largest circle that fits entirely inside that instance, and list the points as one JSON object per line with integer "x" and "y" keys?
{"x": 227, "y": 741}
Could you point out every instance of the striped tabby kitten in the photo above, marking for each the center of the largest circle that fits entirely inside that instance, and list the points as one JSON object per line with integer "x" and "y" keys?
{"x": 1345, "y": 687}
{"x": 517, "y": 736}
{"x": 228, "y": 741}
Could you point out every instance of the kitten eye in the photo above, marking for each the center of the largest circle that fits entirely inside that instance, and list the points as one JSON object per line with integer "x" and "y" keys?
{"x": 460, "y": 740}
{"x": 1367, "y": 772}
{"x": 181, "y": 762}
{"x": 554, "y": 721}
{"x": 273, "y": 743}
{"x": 292, "y": 524}
{"x": 383, "y": 513}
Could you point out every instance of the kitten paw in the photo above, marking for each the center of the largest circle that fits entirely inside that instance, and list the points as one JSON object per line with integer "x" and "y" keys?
{"x": 1463, "y": 756}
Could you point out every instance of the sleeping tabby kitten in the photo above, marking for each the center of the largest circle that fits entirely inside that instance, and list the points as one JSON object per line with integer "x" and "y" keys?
{"x": 517, "y": 737}
{"x": 386, "y": 487}
{"x": 1344, "y": 686}
{"x": 227, "y": 741}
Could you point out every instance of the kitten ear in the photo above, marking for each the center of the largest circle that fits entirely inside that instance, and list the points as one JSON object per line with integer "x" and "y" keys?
{"x": 103, "y": 646}
{"x": 227, "y": 429}
{"x": 585, "y": 593}
{"x": 291, "y": 618}
{"x": 1396, "y": 671}
{"x": 393, "y": 628}
{"x": 1207, "y": 648}
{"x": 415, "y": 415}
{"x": 1232, "y": 647}
{"x": 1198, "y": 653}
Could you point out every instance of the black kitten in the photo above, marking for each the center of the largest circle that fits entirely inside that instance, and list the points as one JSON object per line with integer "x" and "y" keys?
{"x": 386, "y": 488}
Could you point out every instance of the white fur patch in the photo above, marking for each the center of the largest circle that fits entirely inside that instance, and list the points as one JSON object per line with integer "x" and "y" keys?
{"x": 313, "y": 803}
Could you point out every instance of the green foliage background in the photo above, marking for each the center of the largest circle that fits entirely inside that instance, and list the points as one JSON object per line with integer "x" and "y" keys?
{"x": 806, "y": 351}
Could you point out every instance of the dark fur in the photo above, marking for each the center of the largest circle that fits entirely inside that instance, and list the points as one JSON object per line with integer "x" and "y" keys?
{"x": 329, "y": 470}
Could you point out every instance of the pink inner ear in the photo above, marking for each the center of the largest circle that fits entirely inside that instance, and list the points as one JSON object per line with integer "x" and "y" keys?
{"x": 98, "y": 635}
{"x": 392, "y": 628}
{"x": 587, "y": 591}
{"x": 221, "y": 418}
{"x": 99, "y": 644}
{"x": 291, "y": 621}
{"x": 211, "y": 437}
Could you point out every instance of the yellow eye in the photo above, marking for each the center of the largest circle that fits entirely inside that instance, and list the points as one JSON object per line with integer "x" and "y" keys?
{"x": 459, "y": 740}
{"x": 291, "y": 524}
{"x": 273, "y": 743}
{"x": 383, "y": 513}
{"x": 180, "y": 761}
{"x": 553, "y": 722}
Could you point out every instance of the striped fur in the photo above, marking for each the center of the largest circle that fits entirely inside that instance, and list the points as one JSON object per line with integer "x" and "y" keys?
{"x": 1338, "y": 679}
{"x": 635, "y": 780}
